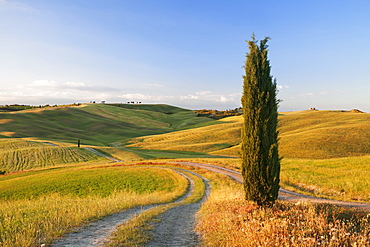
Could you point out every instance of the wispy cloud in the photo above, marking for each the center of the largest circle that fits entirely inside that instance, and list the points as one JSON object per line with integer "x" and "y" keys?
{"x": 153, "y": 85}
{"x": 279, "y": 87}
{"x": 63, "y": 86}
{"x": 209, "y": 96}
{"x": 310, "y": 94}
{"x": 145, "y": 97}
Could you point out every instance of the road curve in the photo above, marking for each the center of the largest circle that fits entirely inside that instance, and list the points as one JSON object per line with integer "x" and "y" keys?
{"x": 284, "y": 194}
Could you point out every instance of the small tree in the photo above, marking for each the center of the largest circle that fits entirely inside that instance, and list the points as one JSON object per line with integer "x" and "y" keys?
{"x": 259, "y": 148}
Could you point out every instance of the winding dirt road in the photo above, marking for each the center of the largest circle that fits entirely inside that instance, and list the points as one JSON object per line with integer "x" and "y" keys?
{"x": 176, "y": 226}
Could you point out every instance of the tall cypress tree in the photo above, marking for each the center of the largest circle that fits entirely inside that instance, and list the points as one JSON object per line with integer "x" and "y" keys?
{"x": 259, "y": 148}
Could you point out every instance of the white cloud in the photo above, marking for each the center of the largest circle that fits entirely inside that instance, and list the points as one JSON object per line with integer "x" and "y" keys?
{"x": 279, "y": 87}
{"x": 309, "y": 94}
{"x": 203, "y": 92}
{"x": 40, "y": 84}
{"x": 147, "y": 85}
{"x": 143, "y": 97}
{"x": 225, "y": 99}
{"x": 74, "y": 84}
{"x": 63, "y": 86}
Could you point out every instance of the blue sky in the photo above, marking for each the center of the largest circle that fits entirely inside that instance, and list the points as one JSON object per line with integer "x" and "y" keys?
{"x": 183, "y": 52}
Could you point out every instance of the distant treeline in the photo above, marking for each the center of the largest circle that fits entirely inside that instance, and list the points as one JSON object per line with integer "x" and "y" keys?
{"x": 215, "y": 114}
{"x": 16, "y": 107}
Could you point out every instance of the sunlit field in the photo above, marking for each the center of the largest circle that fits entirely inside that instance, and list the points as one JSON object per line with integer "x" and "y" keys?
{"x": 307, "y": 134}
{"x": 36, "y": 209}
{"x": 19, "y": 155}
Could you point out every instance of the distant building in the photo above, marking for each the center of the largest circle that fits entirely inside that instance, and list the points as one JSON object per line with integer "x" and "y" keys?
{"x": 103, "y": 101}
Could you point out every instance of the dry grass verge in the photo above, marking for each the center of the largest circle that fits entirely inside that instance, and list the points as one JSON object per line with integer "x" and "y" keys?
{"x": 226, "y": 219}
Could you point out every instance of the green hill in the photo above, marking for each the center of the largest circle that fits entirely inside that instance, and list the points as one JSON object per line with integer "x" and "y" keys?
{"x": 96, "y": 124}
{"x": 306, "y": 134}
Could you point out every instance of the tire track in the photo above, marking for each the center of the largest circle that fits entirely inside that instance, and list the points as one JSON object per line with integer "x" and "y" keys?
{"x": 176, "y": 226}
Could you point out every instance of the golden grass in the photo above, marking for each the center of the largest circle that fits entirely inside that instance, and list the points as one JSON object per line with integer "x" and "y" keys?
{"x": 120, "y": 153}
{"x": 203, "y": 139}
{"x": 340, "y": 178}
{"x": 305, "y": 134}
{"x": 227, "y": 219}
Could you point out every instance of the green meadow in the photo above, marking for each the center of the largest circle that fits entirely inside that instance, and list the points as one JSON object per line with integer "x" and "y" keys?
{"x": 94, "y": 124}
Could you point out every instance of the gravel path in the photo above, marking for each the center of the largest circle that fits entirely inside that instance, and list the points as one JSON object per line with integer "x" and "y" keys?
{"x": 284, "y": 194}
{"x": 97, "y": 233}
{"x": 176, "y": 226}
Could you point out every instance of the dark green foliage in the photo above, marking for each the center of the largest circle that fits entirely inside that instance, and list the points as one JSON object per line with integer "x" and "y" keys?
{"x": 260, "y": 159}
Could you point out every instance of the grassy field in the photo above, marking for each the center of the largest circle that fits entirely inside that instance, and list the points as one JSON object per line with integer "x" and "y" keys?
{"x": 203, "y": 139}
{"x": 338, "y": 178}
{"x": 35, "y": 209}
{"x": 18, "y": 155}
{"x": 94, "y": 124}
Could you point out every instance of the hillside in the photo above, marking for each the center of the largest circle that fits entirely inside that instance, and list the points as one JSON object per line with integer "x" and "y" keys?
{"x": 95, "y": 124}
{"x": 305, "y": 134}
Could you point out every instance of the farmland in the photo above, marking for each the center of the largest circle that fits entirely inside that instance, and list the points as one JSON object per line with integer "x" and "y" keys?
{"x": 52, "y": 186}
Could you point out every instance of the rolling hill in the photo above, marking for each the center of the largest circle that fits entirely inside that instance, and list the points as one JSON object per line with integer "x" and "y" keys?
{"x": 96, "y": 124}
{"x": 162, "y": 131}
{"x": 25, "y": 134}
{"x": 305, "y": 134}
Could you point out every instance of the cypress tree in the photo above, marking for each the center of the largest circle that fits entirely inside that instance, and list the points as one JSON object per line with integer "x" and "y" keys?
{"x": 259, "y": 147}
